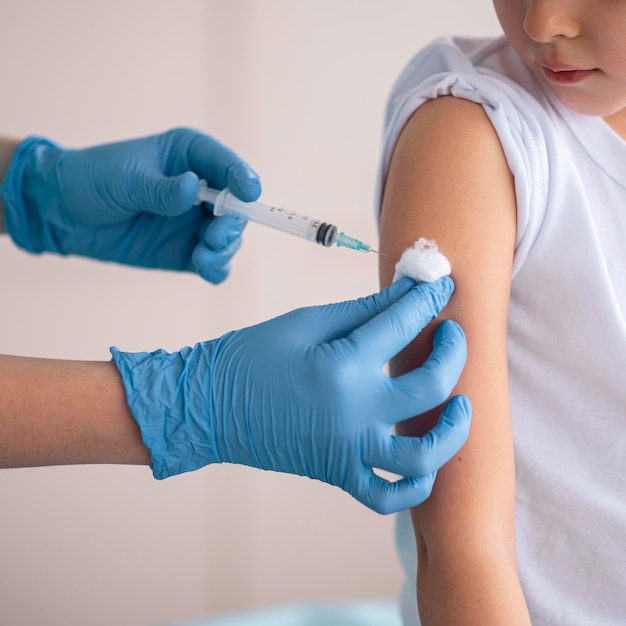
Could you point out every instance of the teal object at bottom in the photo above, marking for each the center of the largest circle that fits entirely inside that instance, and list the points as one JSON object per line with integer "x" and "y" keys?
{"x": 357, "y": 613}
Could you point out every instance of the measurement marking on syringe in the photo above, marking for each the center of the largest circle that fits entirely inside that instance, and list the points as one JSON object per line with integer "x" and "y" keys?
{"x": 292, "y": 222}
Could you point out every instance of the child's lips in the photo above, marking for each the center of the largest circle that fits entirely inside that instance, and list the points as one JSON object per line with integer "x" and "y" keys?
{"x": 565, "y": 75}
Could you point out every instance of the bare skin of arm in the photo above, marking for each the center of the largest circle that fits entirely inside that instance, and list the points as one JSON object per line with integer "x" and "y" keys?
{"x": 7, "y": 148}
{"x": 55, "y": 412}
{"x": 449, "y": 181}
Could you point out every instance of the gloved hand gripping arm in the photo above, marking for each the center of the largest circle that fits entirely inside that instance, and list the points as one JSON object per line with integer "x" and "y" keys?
{"x": 305, "y": 393}
{"x": 130, "y": 202}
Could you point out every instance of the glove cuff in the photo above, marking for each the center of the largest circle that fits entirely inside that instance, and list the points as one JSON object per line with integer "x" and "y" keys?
{"x": 30, "y": 192}
{"x": 179, "y": 433}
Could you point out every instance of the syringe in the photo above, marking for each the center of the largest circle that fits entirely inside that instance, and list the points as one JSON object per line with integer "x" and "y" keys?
{"x": 225, "y": 203}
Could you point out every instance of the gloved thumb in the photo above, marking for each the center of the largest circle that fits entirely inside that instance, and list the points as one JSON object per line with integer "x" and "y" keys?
{"x": 354, "y": 313}
{"x": 168, "y": 195}
{"x": 430, "y": 298}
{"x": 396, "y": 326}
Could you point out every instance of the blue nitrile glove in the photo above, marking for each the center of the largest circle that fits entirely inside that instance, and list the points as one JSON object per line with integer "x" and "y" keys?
{"x": 130, "y": 202}
{"x": 305, "y": 393}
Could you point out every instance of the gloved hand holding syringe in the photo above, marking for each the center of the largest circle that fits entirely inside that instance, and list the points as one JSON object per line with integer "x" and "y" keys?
{"x": 225, "y": 203}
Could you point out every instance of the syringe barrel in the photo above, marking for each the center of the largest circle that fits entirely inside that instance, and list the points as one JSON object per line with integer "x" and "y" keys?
{"x": 276, "y": 217}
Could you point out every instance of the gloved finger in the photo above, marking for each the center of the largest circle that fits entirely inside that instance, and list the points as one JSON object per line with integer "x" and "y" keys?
{"x": 215, "y": 276}
{"x": 222, "y": 167}
{"x": 244, "y": 182}
{"x": 428, "y": 386}
{"x": 386, "y": 334}
{"x": 222, "y": 231}
{"x": 387, "y": 497}
{"x": 165, "y": 195}
{"x": 205, "y": 258}
{"x": 421, "y": 456}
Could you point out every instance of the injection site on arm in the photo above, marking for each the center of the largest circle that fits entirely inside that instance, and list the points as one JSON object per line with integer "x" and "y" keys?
{"x": 423, "y": 262}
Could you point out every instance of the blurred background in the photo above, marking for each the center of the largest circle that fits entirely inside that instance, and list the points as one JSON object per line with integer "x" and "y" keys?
{"x": 298, "y": 88}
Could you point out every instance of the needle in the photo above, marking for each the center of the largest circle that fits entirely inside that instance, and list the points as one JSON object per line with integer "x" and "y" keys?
{"x": 381, "y": 253}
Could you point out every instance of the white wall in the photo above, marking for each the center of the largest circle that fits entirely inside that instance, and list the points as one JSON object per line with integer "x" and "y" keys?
{"x": 298, "y": 87}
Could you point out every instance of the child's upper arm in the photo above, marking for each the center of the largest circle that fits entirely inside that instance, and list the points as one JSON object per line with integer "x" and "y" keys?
{"x": 449, "y": 181}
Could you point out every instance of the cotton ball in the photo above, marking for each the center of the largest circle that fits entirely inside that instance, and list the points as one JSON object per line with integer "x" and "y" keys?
{"x": 422, "y": 262}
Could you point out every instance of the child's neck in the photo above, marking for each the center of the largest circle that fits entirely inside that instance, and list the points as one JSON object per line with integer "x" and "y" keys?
{"x": 617, "y": 122}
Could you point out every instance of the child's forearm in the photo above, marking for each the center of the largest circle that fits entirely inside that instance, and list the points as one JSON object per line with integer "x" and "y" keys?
{"x": 55, "y": 412}
{"x": 475, "y": 591}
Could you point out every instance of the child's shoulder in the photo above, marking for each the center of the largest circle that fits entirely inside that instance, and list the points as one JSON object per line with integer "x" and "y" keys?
{"x": 490, "y": 74}
{"x": 451, "y": 53}
{"x": 487, "y": 71}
